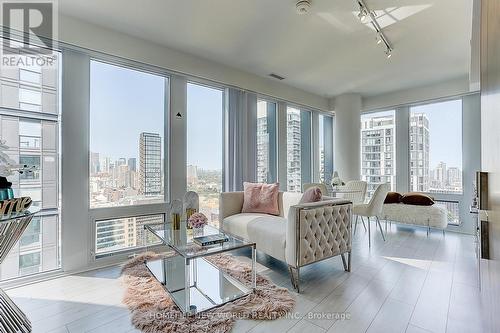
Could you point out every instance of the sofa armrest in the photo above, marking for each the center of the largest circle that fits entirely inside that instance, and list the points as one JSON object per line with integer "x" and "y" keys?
{"x": 230, "y": 203}
{"x": 317, "y": 231}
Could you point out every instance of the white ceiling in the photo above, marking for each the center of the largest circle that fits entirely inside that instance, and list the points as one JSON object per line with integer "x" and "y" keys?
{"x": 327, "y": 52}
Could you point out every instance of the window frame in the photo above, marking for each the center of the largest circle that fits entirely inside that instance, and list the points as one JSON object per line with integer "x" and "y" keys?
{"x": 223, "y": 90}
{"x": 120, "y": 212}
{"x": 403, "y": 157}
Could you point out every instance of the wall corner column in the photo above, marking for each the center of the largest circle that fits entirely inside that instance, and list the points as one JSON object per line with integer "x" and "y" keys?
{"x": 347, "y": 138}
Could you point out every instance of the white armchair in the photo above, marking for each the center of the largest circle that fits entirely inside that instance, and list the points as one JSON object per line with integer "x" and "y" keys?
{"x": 302, "y": 233}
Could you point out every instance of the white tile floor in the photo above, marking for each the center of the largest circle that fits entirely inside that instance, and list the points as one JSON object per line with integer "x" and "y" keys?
{"x": 411, "y": 283}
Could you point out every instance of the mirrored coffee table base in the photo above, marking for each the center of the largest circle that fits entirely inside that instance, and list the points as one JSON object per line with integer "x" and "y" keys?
{"x": 209, "y": 286}
{"x": 192, "y": 279}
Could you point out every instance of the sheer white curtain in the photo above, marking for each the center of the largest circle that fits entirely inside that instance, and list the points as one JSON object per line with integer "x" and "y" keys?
{"x": 241, "y": 139}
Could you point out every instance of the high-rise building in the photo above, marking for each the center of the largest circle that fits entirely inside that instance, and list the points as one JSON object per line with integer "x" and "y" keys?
{"x": 440, "y": 176}
{"x": 419, "y": 152}
{"x": 377, "y": 151}
{"x": 262, "y": 148}
{"x": 192, "y": 174}
{"x": 29, "y": 119}
{"x": 104, "y": 164}
{"x": 454, "y": 177}
{"x": 294, "y": 171}
{"x": 150, "y": 164}
{"x": 94, "y": 163}
{"x": 132, "y": 164}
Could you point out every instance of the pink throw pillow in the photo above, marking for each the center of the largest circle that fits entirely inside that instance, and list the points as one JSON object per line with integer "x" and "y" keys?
{"x": 312, "y": 194}
{"x": 260, "y": 198}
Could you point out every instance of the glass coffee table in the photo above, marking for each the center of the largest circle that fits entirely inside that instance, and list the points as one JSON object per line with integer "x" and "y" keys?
{"x": 194, "y": 282}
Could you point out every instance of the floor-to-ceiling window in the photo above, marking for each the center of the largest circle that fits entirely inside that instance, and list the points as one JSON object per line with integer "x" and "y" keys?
{"x": 378, "y": 149}
{"x": 205, "y": 146}
{"x": 436, "y": 147}
{"x": 266, "y": 142}
{"x": 298, "y": 148}
{"x": 435, "y": 132}
{"x": 325, "y": 148}
{"x": 126, "y": 162}
{"x": 29, "y": 122}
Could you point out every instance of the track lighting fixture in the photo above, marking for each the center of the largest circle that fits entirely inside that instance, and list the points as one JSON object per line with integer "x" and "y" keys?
{"x": 366, "y": 15}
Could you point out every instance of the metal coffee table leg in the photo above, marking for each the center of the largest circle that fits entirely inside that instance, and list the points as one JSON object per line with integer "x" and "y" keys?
{"x": 12, "y": 319}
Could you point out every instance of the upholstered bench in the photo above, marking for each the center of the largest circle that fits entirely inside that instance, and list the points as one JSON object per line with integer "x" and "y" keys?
{"x": 435, "y": 216}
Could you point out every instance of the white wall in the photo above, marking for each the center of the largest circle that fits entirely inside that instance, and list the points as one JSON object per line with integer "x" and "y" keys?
{"x": 347, "y": 139}
{"x": 79, "y": 33}
{"x": 443, "y": 89}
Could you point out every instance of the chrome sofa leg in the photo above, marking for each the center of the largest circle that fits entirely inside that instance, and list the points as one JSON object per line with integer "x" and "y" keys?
{"x": 295, "y": 277}
{"x": 346, "y": 263}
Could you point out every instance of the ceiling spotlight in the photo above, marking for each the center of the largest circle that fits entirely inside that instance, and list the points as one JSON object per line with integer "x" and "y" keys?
{"x": 379, "y": 39}
{"x": 388, "y": 53}
{"x": 363, "y": 15}
{"x": 303, "y": 7}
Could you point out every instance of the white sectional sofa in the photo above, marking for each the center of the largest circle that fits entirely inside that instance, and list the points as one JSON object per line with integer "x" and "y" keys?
{"x": 302, "y": 233}
{"x": 435, "y": 216}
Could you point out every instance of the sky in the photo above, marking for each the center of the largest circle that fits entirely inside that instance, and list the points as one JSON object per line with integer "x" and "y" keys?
{"x": 124, "y": 103}
{"x": 204, "y": 127}
{"x": 445, "y": 130}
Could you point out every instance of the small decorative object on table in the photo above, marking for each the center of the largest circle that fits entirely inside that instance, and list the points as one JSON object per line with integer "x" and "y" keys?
{"x": 7, "y": 168}
{"x": 197, "y": 221}
{"x": 175, "y": 213}
{"x": 336, "y": 181}
{"x": 191, "y": 203}
{"x": 210, "y": 239}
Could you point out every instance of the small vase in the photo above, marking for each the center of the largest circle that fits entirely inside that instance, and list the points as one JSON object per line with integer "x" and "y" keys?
{"x": 197, "y": 232}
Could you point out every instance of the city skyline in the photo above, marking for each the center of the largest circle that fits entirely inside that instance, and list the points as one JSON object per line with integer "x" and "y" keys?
{"x": 378, "y": 133}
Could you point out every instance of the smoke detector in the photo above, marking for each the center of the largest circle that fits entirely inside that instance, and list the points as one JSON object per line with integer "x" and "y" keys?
{"x": 303, "y": 6}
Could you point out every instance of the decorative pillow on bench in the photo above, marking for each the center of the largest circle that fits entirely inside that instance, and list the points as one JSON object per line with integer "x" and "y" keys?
{"x": 260, "y": 198}
{"x": 417, "y": 199}
{"x": 392, "y": 198}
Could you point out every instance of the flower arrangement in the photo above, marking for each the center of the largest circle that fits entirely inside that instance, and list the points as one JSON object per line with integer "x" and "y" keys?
{"x": 8, "y": 166}
{"x": 197, "y": 220}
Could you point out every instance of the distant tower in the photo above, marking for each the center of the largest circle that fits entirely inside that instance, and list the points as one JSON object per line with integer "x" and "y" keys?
{"x": 94, "y": 163}
{"x": 192, "y": 174}
{"x": 150, "y": 164}
{"x": 419, "y": 152}
{"x": 132, "y": 164}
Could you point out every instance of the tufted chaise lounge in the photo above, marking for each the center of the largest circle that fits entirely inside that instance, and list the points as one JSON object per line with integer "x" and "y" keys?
{"x": 302, "y": 234}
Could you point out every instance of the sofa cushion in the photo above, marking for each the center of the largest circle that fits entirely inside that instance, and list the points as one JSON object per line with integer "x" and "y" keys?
{"x": 392, "y": 197}
{"x": 312, "y": 194}
{"x": 269, "y": 236}
{"x": 238, "y": 224}
{"x": 260, "y": 198}
{"x": 417, "y": 199}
